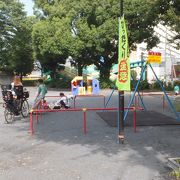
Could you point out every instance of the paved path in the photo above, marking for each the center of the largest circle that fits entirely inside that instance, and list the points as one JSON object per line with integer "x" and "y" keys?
{"x": 60, "y": 151}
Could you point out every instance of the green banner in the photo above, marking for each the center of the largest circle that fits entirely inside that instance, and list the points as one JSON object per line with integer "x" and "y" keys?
{"x": 124, "y": 76}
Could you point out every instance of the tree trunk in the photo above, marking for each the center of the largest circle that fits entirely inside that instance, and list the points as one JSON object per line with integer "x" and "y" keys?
{"x": 105, "y": 72}
{"x": 80, "y": 69}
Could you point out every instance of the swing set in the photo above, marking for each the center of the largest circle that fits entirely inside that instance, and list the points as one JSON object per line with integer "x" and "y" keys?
{"x": 143, "y": 64}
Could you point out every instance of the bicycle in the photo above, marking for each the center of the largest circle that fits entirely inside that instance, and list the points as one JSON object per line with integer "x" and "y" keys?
{"x": 14, "y": 104}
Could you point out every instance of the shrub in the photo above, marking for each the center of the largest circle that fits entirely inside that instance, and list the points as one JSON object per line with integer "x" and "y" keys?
{"x": 169, "y": 86}
{"x": 177, "y": 83}
{"x": 156, "y": 85}
{"x": 63, "y": 82}
{"x": 106, "y": 83}
{"x": 144, "y": 85}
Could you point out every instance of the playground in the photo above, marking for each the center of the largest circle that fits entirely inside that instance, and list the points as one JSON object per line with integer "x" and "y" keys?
{"x": 59, "y": 149}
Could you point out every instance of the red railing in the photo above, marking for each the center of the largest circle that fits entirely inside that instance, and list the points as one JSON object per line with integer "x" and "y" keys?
{"x": 84, "y": 110}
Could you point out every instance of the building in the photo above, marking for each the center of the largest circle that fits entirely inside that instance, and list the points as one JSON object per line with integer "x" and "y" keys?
{"x": 168, "y": 70}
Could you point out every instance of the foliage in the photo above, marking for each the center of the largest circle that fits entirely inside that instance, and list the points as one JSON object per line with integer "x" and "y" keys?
{"x": 133, "y": 74}
{"x": 155, "y": 85}
{"x": 144, "y": 85}
{"x": 87, "y": 30}
{"x": 15, "y": 38}
{"x": 106, "y": 83}
{"x": 168, "y": 87}
{"x": 64, "y": 83}
{"x": 175, "y": 173}
{"x": 177, "y": 83}
{"x": 50, "y": 42}
{"x": 170, "y": 15}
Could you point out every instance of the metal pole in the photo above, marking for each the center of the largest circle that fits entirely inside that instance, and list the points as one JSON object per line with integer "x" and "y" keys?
{"x": 84, "y": 121}
{"x": 169, "y": 101}
{"x": 109, "y": 97}
{"x": 31, "y": 123}
{"x": 121, "y": 101}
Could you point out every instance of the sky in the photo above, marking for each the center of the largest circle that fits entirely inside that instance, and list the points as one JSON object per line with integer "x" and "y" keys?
{"x": 28, "y": 6}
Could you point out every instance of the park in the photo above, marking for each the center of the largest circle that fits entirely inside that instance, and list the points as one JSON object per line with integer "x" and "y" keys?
{"x": 90, "y": 90}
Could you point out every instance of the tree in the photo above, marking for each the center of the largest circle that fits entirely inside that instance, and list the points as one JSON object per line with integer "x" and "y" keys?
{"x": 170, "y": 16}
{"x": 15, "y": 39}
{"x": 94, "y": 27}
{"x": 50, "y": 42}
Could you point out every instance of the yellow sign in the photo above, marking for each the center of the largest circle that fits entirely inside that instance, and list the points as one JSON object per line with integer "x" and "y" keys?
{"x": 26, "y": 78}
{"x": 154, "y": 57}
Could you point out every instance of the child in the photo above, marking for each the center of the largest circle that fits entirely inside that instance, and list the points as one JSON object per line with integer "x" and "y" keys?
{"x": 45, "y": 104}
{"x": 42, "y": 90}
{"x": 62, "y": 102}
{"x": 176, "y": 89}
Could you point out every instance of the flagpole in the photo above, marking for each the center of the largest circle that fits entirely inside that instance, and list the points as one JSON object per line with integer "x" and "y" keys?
{"x": 121, "y": 101}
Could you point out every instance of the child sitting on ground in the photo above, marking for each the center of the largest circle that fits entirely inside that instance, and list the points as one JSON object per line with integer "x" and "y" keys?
{"x": 62, "y": 102}
{"x": 45, "y": 104}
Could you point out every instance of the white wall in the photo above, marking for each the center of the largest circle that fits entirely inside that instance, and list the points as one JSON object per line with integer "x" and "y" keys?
{"x": 170, "y": 55}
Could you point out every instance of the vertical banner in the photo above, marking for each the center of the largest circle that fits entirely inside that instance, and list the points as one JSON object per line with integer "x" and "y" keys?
{"x": 124, "y": 76}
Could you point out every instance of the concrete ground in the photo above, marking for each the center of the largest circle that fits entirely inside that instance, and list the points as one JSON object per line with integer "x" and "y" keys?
{"x": 60, "y": 151}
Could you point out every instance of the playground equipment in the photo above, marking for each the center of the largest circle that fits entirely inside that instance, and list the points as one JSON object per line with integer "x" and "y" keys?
{"x": 84, "y": 110}
{"x": 143, "y": 64}
{"x": 37, "y": 113}
{"x": 165, "y": 93}
{"x": 92, "y": 86}
{"x": 132, "y": 65}
{"x": 78, "y": 87}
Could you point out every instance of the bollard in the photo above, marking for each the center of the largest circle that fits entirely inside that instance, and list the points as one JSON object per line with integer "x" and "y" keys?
{"x": 84, "y": 122}
{"x": 31, "y": 123}
{"x": 134, "y": 118}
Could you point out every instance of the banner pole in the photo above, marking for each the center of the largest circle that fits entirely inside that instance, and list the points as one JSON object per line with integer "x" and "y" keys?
{"x": 121, "y": 101}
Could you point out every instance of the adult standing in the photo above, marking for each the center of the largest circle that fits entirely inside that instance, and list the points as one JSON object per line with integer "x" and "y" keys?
{"x": 16, "y": 86}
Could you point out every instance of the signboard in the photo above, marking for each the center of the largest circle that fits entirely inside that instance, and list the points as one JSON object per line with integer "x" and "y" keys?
{"x": 154, "y": 57}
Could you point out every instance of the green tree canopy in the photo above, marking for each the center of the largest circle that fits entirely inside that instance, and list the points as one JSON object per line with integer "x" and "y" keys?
{"x": 50, "y": 42}
{"x": 171, "y": 17}
{"x": 91, "y": 28}
{"x": 15, "y": 38}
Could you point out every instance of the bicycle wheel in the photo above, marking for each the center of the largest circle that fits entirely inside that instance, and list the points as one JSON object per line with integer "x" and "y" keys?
{"x": 25, "y": 108}
{"x": 9, "y": 116}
